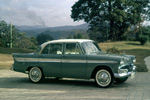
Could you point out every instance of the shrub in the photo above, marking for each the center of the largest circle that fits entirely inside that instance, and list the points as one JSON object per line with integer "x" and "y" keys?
{"x": 113, "y": 50}
{"x": 143, "y": 39}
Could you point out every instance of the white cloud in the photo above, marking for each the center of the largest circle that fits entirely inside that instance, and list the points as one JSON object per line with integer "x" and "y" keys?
{"x": 37, "y": 12}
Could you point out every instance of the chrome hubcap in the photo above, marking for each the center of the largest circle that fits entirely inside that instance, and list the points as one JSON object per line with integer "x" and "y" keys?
{"x": 35, "y": 74}
{"x": 103, "y": 77}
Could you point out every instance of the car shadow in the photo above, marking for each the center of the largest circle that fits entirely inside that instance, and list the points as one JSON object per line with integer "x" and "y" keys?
{"x": 52, "y": 83}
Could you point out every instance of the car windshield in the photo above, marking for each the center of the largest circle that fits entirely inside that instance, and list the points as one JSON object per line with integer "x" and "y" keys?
{"x": 91, "y": 48}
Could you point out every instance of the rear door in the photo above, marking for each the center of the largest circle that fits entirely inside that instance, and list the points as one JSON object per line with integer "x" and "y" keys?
{"x": 50, "y": 59}
{"x": 73, "y": 61}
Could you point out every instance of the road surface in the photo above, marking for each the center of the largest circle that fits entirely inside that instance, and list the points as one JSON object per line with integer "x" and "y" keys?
{"x": 16, "y": 86}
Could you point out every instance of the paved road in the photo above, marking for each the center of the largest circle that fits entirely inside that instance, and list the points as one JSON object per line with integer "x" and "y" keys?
{"x": 16, "y": 86}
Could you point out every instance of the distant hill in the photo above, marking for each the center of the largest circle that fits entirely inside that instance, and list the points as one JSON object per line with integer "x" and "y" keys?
{"x": 55, "y": 32}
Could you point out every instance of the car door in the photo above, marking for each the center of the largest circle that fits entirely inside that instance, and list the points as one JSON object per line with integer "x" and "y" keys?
{"x": 73, "y": 61}
{"x": 50, "y": 59}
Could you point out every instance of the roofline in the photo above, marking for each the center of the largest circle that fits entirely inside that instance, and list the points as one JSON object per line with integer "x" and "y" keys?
{"x": 66, "y": 41}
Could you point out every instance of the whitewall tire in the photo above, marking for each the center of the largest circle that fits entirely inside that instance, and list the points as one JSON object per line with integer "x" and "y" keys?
{"x": 103, "y": 78}
{"x": 35, "y": 74}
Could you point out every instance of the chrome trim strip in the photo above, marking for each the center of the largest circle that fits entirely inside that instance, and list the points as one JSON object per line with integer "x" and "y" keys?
{"x": 19, "y": 59}
{"x": 100, "y": 61}
{"x": 73, "y": 61}
{"x": 37, "y": 60}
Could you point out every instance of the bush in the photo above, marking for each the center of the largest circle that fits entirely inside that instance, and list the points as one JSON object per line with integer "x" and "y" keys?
{"x": 113, "y": 50}
{"x": 143, "y": 39}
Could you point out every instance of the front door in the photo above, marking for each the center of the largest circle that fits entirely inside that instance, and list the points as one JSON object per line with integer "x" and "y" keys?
{"x": 73, "y": 61}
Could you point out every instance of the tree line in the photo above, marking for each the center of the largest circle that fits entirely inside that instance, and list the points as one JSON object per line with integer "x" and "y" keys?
{"x": 112, "y": 19}
{"x": 19, "y": 39}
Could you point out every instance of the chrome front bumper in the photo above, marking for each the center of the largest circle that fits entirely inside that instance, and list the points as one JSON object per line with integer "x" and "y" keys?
{"x": 126, "y": 74}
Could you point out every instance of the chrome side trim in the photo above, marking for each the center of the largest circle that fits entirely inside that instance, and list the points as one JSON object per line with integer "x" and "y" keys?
{"x": 100, "y": 61}
{"x": 37, "y": 60}
{"x": 19, "y": 59}
{"x": 73, "y": 61}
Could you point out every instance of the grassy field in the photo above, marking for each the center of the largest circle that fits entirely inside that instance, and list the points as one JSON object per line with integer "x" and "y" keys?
{"x": 128, "y": 47}
{"x": 124, "y": 45}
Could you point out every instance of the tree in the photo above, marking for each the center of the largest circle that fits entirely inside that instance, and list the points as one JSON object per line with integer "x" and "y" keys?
{"x": 22, "y": 41}
{"x": 5, "y": 34}
{"x": 43, "y": 37}
{"x": 19, "y": 40}
{"x": 118, "y": 15}
{"x": 146, "y": 31}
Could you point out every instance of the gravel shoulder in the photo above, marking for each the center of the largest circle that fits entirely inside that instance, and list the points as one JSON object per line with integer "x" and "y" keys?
{"x": 16, "y": 86}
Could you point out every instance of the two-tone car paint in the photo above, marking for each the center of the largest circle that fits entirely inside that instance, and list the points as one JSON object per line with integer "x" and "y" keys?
{"x": 81, "y": 65}
{"x": 76, "y": 66}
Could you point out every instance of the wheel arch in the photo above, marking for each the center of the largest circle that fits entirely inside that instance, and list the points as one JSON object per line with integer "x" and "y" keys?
{"x": 101, "y": 67}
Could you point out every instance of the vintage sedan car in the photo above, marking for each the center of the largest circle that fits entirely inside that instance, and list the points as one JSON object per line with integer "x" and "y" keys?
{"x": 75, "y": 58}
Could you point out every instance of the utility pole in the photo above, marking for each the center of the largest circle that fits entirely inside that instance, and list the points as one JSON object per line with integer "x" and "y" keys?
{"x": 10, "y": 35}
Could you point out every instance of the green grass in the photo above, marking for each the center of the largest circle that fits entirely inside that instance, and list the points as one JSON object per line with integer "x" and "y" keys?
{"x": 131, "y": 48}
{"x": 124, "y": 45}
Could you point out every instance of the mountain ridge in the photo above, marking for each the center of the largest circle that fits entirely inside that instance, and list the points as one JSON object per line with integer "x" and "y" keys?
{"x": 56, "y": 32}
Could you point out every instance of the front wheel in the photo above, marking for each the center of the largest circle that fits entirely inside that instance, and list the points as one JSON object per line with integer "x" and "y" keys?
{"x": 103, "y": 78}
{"x": 35, "y": 75}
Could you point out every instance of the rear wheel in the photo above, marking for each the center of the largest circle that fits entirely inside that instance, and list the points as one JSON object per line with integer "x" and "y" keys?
{"x": 35, "y": 74}
{"x": 121, "y": 80}
{"x": 103, "y": 78}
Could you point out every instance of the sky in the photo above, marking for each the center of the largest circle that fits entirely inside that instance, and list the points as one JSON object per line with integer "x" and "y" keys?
{"x": 49, "y": 13}
{"x": 37, "y": 12}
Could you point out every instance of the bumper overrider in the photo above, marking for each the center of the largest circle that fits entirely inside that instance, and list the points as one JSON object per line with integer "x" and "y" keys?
{"x": 124, "y": 72}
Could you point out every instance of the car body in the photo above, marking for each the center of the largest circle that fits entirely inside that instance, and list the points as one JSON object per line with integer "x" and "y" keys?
{"x": 75, "y": 58}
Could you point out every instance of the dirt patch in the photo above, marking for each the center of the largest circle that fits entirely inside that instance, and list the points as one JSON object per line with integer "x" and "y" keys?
{"x": 6, "y": 61}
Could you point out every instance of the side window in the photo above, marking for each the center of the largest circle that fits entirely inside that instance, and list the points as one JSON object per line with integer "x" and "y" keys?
{"x": 72, "y": 48}
{"x": 52, "y": 49}
{"x": 55, "y": 49}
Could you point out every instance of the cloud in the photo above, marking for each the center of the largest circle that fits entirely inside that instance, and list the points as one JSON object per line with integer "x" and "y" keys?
{"x": 37, "y": 12}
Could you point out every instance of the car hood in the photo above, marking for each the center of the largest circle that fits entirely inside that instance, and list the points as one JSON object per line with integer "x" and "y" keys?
{"x": 126, "y": 58}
